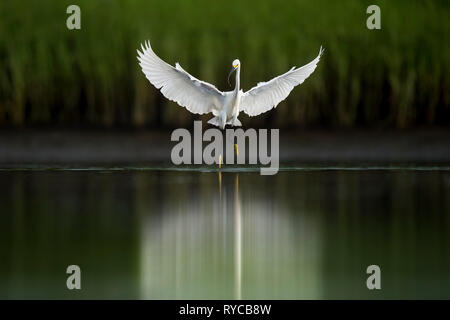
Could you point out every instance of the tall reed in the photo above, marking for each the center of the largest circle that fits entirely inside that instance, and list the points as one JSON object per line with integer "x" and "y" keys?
{"x": 396, "y": 77}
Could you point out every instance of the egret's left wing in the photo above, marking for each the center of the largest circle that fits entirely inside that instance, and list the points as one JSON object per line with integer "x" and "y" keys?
{"x": 178, "y": 85}
{"x": 267, "y": 95}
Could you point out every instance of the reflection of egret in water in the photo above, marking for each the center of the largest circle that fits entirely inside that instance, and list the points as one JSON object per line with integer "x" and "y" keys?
{"x": 173, "y": 234}
{"x": 238, "y": 239}
{"x": 219, "y": 242}
{"x": 237, "y": 234}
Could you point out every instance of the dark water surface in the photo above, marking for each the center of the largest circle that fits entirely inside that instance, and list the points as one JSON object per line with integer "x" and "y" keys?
{"x": 159, "y": 233}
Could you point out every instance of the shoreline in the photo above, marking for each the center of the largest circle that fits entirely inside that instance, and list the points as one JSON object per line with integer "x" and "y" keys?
{"x": 60, "y": 147}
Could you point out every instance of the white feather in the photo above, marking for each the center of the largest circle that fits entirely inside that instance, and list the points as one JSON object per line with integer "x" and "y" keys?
{"x": 267, "y": 95}
{"x": 177, "y": 85}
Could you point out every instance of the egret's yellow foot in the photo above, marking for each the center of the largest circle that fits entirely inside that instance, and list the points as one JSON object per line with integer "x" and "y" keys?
{"x": 220, "y": 161}
{"x": 236, "y": 149}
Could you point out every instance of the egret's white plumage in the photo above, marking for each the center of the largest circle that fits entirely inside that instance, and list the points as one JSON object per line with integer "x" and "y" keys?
{"x": 201, "y": 97}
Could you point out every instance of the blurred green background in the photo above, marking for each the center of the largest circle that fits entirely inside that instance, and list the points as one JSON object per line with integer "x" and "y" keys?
{"x": 396, "y": 77}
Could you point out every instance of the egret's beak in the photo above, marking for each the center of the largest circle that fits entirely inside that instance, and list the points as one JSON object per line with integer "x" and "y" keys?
{"x": 229, "y": 75}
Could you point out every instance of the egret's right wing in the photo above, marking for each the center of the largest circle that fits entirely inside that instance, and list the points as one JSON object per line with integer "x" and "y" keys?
{"x": 267, "y": 95}
{"x": 177, "y": 85}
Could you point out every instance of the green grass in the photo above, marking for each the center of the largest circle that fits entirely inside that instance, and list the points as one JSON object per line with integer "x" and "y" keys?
{"x": 394, "y": 77}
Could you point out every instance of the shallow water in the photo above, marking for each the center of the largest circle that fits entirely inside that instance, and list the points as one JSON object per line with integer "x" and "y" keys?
{"x": 161, "y": 232}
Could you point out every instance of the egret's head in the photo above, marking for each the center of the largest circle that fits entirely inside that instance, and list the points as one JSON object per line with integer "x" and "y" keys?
{"x": 236, "y": 63}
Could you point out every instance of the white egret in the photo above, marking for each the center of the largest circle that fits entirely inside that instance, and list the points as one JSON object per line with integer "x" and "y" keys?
{"x": 201, "y": 97}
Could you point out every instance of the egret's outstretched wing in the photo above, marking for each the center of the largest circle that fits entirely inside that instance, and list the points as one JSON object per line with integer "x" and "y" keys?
{"x": 178, "y": 85}
{"x": 266, "y": 95}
